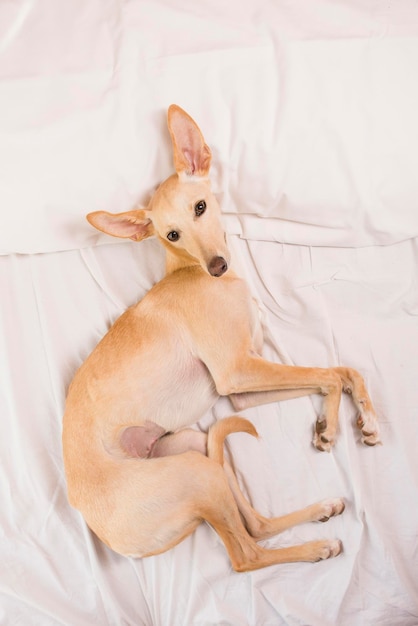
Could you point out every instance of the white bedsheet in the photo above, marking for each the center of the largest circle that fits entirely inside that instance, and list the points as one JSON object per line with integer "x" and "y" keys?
{"x": 310, "y": 111}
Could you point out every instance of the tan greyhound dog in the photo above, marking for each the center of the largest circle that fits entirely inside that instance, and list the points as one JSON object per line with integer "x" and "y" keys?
{"x": 143, "y": 481}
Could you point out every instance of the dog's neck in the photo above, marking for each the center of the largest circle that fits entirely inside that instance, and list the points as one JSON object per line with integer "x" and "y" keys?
{"x": 177, "y": 260}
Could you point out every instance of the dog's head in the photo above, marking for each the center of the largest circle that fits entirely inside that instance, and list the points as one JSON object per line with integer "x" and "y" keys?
{"x": 183, "y": 213}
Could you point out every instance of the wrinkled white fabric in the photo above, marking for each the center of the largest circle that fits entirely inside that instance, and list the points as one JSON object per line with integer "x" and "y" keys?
{"x": 321, "y": 306}
{"x": 310, "y": 112}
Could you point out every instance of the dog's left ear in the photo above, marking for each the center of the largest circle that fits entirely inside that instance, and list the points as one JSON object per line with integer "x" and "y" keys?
{"x": 191, "y": 155}
{"x": 134, "y": 224}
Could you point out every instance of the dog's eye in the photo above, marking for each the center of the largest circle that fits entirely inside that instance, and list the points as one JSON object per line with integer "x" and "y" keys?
{"x": 200, "y": 208}
{"x": 173, "y": 236}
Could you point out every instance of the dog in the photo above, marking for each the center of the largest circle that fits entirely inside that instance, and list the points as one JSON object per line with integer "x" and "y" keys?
{"x": 143, "y": 480}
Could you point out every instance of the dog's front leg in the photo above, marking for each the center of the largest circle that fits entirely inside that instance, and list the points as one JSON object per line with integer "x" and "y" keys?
{"x": 294, "y": 382}
{"x": 270, "y": 381}
{"x": 242, "y": 401}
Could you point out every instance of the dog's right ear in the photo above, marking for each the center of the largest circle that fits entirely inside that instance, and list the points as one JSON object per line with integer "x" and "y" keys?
{"x": 134, "y": 225}
{"x": 191, "y": 154}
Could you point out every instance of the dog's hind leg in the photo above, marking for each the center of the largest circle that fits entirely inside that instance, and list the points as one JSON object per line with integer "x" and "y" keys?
{"x": 258, "y": 526}
{"x": 179, "y": 442}
{"x": 221, "y": 510}
{"x": 261, "y": 527}
{"x": 193, "y": 488}
{"x": 201, "y": 491}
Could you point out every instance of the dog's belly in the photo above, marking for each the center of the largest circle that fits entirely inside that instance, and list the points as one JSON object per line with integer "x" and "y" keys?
{"x": 179, "y": 394}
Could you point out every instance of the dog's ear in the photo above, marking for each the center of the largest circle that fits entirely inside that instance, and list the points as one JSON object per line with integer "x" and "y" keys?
{"x": 134, "y": 225}
{"x": 191, "y": 155}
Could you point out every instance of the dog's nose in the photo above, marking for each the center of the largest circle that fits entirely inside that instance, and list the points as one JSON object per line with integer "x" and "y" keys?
{"x": 217, "y": 266}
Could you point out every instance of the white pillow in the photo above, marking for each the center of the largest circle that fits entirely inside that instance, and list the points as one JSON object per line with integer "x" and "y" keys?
{"x": 309, "y": 108}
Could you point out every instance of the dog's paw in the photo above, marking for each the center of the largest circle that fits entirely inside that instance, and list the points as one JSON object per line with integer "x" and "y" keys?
{"x": 368, "y": 424}
{"x": 323, "y": 437}
{"x": 333, "y": 547}
{"x": 321, "y": 443}
{"x": 326, "y": 549}
{"x": 330, "y": 508}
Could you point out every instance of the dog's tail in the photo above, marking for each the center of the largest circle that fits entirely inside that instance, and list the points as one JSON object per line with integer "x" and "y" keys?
{"x": 221, "y": 429}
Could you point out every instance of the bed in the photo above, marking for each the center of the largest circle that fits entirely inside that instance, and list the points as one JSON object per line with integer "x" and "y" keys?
{"x": 310, "y": 109}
